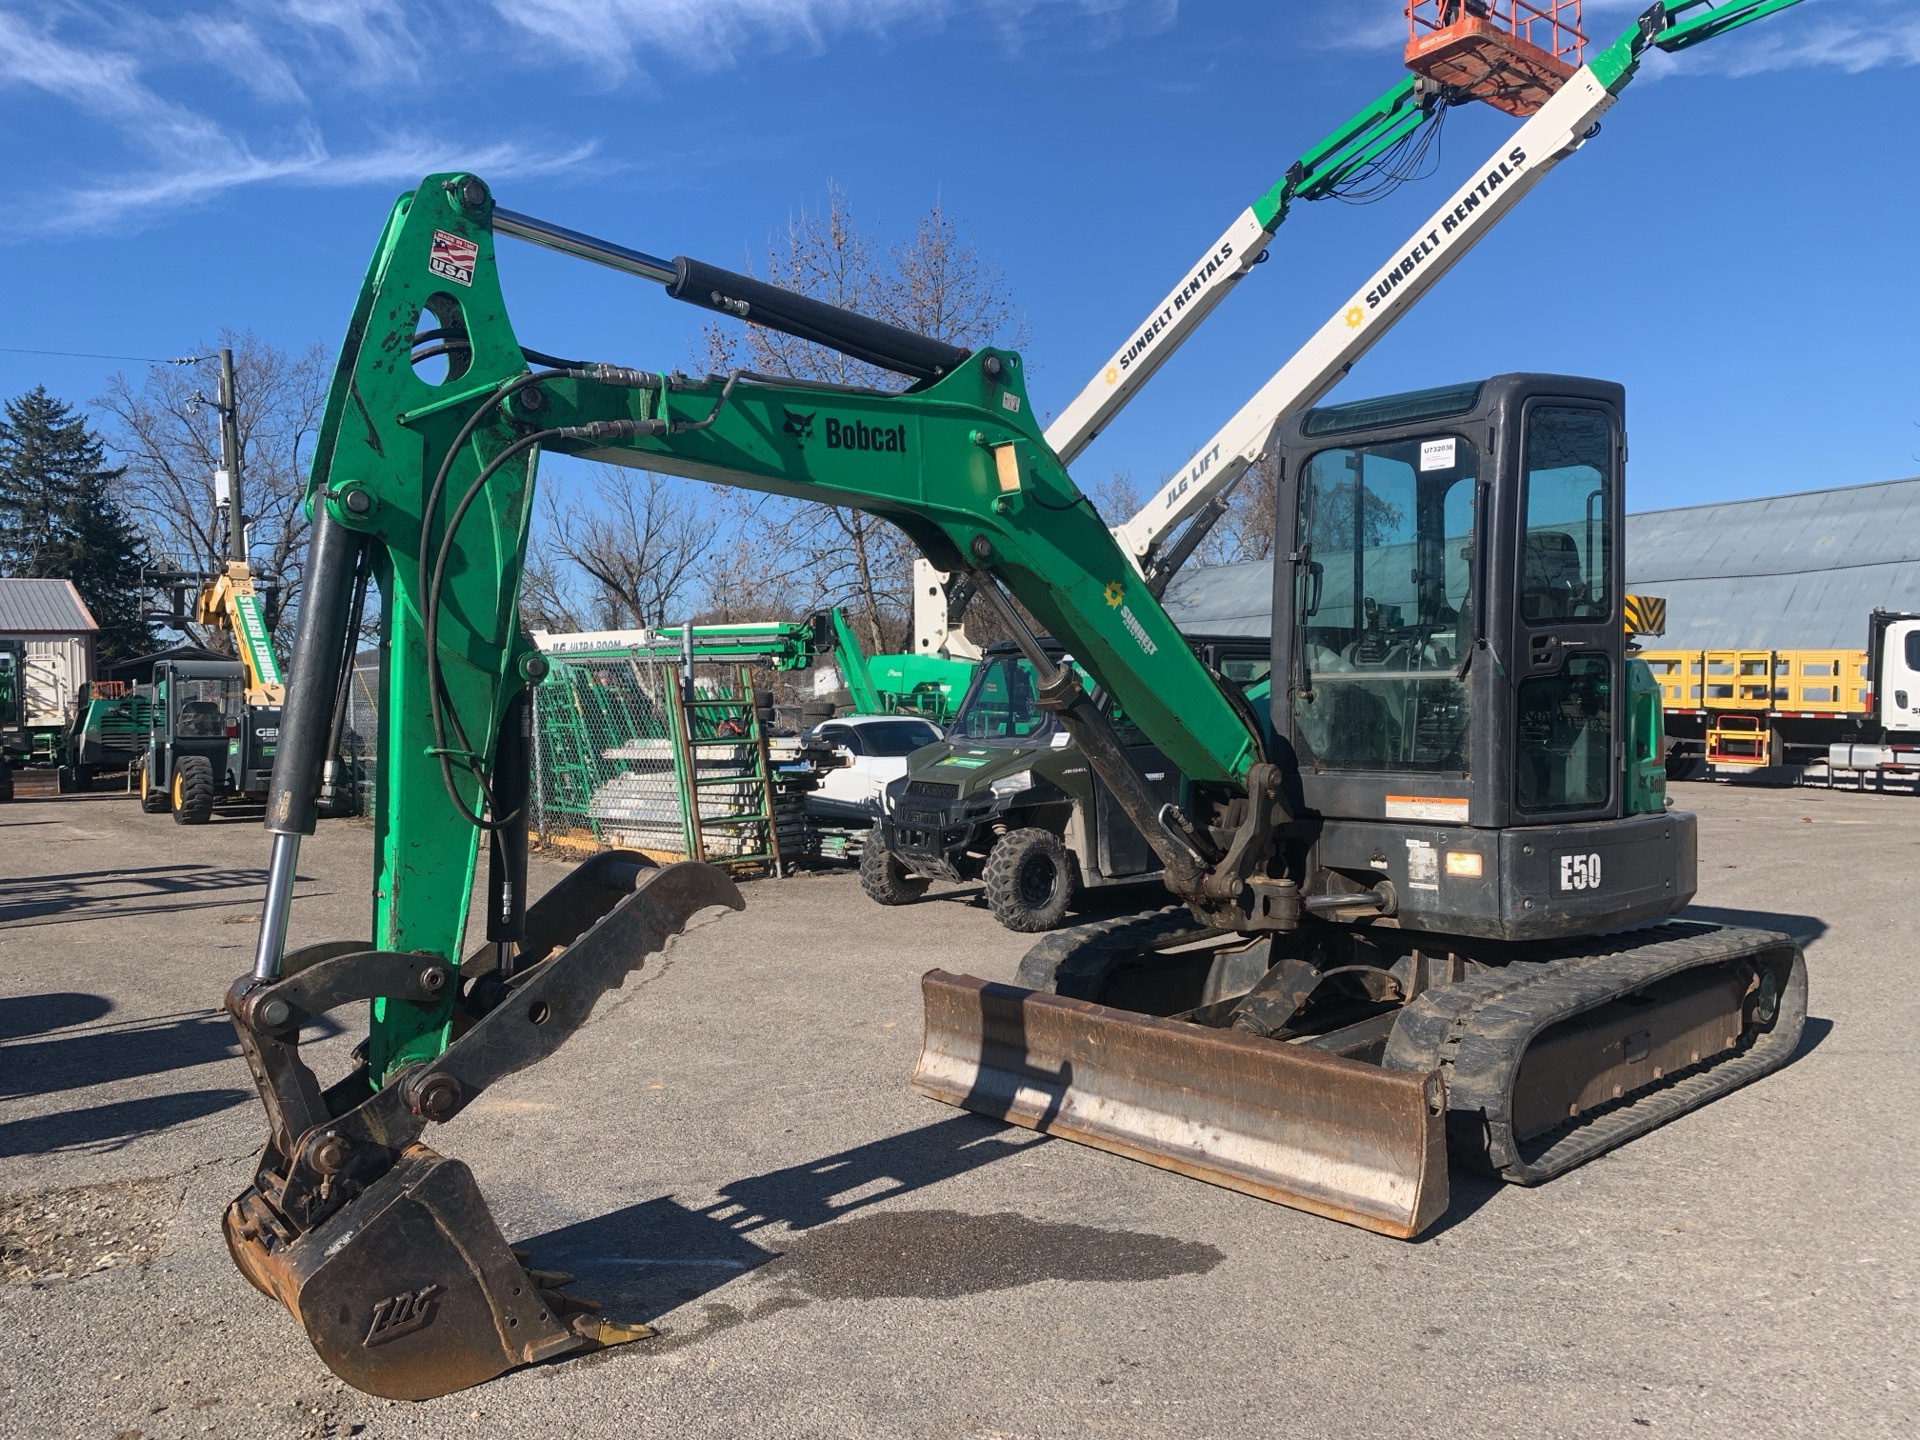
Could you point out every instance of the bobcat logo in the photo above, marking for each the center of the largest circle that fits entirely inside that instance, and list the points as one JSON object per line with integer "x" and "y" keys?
{"x": 404, "y": 1313}
{"x": 800, "y": 426}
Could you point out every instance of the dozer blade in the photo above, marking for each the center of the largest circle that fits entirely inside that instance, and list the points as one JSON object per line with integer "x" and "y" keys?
{"x": 1317, "y": 1132}
{"x": 382, "y": 1249}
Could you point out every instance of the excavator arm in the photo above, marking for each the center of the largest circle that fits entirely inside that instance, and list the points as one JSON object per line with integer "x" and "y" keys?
{"x": 426, "y": 490}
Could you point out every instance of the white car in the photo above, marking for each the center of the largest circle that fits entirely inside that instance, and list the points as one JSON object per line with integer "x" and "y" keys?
{"x": 877, "y": 747}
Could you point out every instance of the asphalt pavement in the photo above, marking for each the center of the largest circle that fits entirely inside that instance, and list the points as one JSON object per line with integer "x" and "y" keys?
{"x": 729, "y": 1151}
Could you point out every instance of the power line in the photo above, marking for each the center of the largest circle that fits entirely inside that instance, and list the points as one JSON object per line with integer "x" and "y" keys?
{"x": 83, "y": 355}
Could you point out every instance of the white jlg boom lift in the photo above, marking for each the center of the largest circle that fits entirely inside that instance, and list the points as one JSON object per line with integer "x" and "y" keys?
{"x": 1447, "y": 38}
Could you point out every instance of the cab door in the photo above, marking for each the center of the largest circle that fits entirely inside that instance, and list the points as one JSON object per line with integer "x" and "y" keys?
{"x": 1568, "y": 644}
{"x": 1898, "y": 683}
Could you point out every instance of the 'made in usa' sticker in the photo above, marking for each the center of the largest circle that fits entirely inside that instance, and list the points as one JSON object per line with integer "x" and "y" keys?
{"x": 453, "y": 257}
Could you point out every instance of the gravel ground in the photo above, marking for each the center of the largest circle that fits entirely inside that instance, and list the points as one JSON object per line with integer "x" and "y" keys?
{"x": 729, "y": 1152}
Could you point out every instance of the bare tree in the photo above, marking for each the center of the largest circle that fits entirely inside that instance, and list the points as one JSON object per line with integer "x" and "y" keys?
{"x": 935, "y": 282}
{"x": 169, "y": 439}
{"x": 1245, "y": 532}
{"x": 631, "y": 557}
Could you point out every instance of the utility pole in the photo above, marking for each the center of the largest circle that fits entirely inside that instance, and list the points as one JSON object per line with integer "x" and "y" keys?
{"x": 229, "y": 412}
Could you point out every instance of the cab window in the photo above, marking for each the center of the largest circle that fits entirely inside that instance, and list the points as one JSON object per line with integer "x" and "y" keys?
{"x": 1566, "y": 563}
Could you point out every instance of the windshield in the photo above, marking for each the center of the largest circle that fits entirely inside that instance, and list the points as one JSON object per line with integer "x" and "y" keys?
{"x": 1000, "y": 706}
{"x": 206, "y": 707}
{"x": 896, "y": 737}
{"x": 1385, "y": 601}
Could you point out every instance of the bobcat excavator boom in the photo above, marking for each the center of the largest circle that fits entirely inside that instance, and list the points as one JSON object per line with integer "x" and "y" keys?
{"x": 1265, "y": 1037}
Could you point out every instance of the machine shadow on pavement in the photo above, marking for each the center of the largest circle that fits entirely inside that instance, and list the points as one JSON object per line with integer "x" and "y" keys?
{"x": 108, "y": 1127}
{"x": 34, "y": 900}
{"x": 648, "y": 1258}
{"x": 1804, "y": 928}
{"x": 50, "y": 1043}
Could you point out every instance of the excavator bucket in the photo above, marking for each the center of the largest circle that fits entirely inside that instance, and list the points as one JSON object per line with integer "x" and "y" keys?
{"x": 1286, "y": 1123}
{"x": 383, "y": 1249}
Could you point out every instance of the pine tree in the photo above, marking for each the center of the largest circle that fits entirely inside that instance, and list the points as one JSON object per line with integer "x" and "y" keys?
{"x": 59, "y": 518}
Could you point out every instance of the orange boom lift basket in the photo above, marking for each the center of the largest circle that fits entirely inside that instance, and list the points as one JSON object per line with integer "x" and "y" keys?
{"x": 1513, "y": 54}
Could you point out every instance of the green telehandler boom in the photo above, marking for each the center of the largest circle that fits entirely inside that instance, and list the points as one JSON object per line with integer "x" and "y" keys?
{"x": 1390, "y": 879}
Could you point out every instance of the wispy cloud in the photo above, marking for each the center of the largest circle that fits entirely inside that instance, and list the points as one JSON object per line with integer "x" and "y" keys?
{"x": 623, "y": 36}
{"x": 185, "y": 156}
{"x": 92, "y": 208}
{"x": 287, "y": 79}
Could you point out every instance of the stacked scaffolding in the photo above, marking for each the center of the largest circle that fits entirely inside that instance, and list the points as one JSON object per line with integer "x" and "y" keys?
{"x": 626, "y": 755}
{"x": 630, "y": 752}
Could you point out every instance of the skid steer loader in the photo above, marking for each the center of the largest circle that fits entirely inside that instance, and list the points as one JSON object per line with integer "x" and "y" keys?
{"x": 1409, "y": 885}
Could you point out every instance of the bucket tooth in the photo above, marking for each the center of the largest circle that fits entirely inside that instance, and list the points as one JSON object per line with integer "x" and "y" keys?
{"x": 1300, "y": 1127}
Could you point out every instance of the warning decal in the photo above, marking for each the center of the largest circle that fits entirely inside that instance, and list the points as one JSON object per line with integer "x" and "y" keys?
{"x": 453, "y": 257}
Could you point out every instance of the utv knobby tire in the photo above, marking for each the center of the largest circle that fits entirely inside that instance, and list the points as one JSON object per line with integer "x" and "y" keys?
{"x": 1031, "y": 879}
{"x": 192, "y": 794}
{"x": 152, "y": 801}
{"x": 884, "y": 878}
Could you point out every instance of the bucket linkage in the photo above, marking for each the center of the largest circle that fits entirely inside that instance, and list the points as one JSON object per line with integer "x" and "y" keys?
{"x": 383, "y": 1249}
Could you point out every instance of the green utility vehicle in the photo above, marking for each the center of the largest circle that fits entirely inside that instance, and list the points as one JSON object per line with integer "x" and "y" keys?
{"x": 13, "y": 710}
{"x": 205, "y": 745}
{"x": 1008, "y": 798}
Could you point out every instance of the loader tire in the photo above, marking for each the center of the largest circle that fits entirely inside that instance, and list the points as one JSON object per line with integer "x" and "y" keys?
{"x": 152, "y": 801}
{"x": 1031, "y": 880}
{"x": 884, "y": 878}
{"x": 192, "y": 790}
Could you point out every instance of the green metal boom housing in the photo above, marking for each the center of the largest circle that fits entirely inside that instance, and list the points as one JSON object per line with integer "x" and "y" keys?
{"x": 959, "y": 465}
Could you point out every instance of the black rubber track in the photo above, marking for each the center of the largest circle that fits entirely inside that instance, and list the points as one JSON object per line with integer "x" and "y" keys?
{"x": 1478, "y": 1030}
{"x": 1077, "y": 962}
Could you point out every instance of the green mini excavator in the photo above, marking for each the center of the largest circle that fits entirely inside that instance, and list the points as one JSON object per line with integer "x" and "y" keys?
{"x": 1423, "y": 895}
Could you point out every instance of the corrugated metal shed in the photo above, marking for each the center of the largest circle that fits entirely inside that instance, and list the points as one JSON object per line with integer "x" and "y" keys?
{"x": 43, "y": 607}
{"x": 1783, "y": 572}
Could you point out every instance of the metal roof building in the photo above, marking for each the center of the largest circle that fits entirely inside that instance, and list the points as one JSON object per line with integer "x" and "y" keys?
{"x": 59, "y": 632}
{"x": 1783, "y": 572}
{"x": 43, "y": 607}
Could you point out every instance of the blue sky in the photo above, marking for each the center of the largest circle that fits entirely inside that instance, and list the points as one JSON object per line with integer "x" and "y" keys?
{"x": 1735, "y": 247}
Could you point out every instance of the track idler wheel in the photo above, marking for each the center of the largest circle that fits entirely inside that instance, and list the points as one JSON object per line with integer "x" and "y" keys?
{"x": 382, "y": 1248}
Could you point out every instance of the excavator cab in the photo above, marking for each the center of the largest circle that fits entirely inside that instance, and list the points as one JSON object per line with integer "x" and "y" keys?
{"x": 1447, "y": 623}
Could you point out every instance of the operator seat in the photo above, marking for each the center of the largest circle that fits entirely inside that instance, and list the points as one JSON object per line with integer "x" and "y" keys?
{"x": 202, "y": 720}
